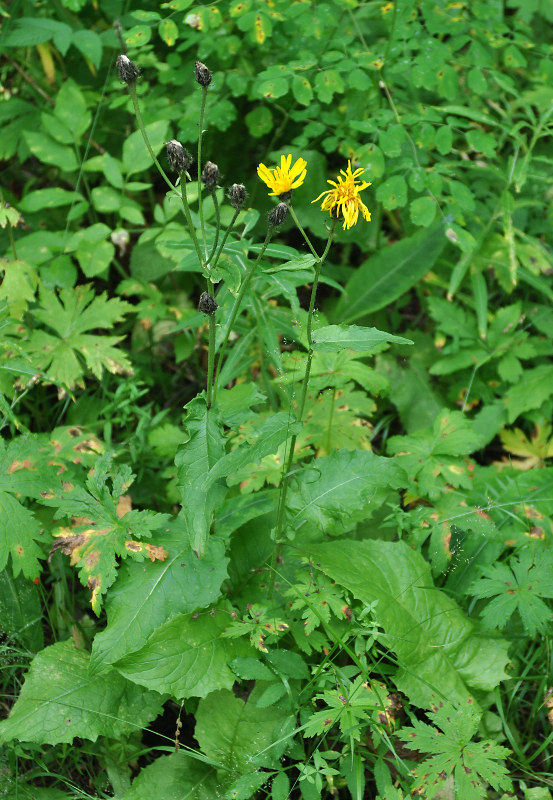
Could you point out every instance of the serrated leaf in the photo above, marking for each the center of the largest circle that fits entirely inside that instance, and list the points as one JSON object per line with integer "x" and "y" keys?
{"x": 175, "y": 776}
{"x": 186, "y": 657}
{"x": 69, "y": 316}
{"x": 333, "y": 493}
{"x": 440, "y": 655}
{"x": 239, "y": 735}
{"x": 146, "y": 595}
{"x": 60, "y": 700}
{"x": 534, "y": 388}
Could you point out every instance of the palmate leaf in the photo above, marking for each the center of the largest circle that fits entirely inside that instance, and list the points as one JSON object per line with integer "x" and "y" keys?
{"x": 351, "y": 707}
{"x": 60, "y": 700}
{"x": 25, "y": 471}
{"x": 435, "y": 451}
{"x": 62, "y": 352}
{"x": 473, "y": 764}
{"x": 103, "y": 530}
{"x": 440, "y": 653}
{"x": 518, "y": 586}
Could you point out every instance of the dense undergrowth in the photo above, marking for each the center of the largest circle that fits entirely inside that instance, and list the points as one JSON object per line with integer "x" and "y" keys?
{"x": 276, "y": 486}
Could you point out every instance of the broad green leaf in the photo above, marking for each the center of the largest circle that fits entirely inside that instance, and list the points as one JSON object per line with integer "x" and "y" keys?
{"x": 273, "y": 89}
{"x": 393, "y": 192}
{"x": 440, "y": 653}
{"x": 203, "y": 450}
{"x": 71, "y": 109}
{"x": 94, "y": 259}
{"x": 482, "y": 142}
{"x": 187, "y": 656}
{"x": 21, "y": 611}
{"x": 105, "y": 199}
{"x": 174, "y": 777}
{"x": 146, "y": 595}
{"x": 302, "y": 90}
{"x": 390, "y": 273}
{"x": 333, "y": 493}
{"x": 50, "y": 152}
{"x": 259, "y": 121}
{"x": 422, "y": 211}
{"x": 444, "y": 139}
{"x": 136, "y": 156}
{"x": 60, "y": 700}
{"x": 239, "y": 735}
{"x": 18, "y": 286}
{"x": 328, "y": 82}
{"x": 168, "y": 30}
{"x": 89, "y": 44}
{"x": 334, "y": 338}
{"x": 48, "y": 198}
{"x": 534, "y": 388}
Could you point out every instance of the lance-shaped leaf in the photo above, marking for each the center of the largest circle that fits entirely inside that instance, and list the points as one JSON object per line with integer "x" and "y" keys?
{"x": 332, "y": 494}
{"x": 186, "y": 657}
{"x": 146, "y": 596}
{"x": 104, "y": 529}
{"x": 194, "y": 459}
{"x": 440, "y": 652}
{"x": 334, "y": 338}
{"x": 60, "y": 700}
{"x": 61, "y": 353}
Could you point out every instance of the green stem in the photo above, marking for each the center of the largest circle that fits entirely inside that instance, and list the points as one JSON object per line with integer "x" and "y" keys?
{"x": 186, "y": 208}
{"x": 217, "y": 227}
{"x": 134, "y": 98}
{"x": 301, "y": 408}
{"x": 200, "y": 137}
{"x": 236, "y": 306}
{"x": 210, "y": 361}
{"x": 225, "y": 237}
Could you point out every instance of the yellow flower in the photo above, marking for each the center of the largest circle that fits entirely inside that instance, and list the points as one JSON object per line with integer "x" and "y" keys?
{"x": 283, "y": 179}
{"x": 344, "y": 199}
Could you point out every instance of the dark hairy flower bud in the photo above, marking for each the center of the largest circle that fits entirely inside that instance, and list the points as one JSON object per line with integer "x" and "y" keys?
{"x": 210, "y": 175}
{"x": 207, "y": 304}
{"x": 278, "y": 214}
{"x": 202, "y": 73}
{"x": 178, "y": 156}
{"x": 128, "y": 71}
{"x": 237, "y": 195}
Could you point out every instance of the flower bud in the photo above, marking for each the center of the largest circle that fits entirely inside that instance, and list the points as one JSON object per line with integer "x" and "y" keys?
{"x": 207, "y": 304}
{"x": 278, "y": 214}
{"x": 203, "y": 74}
{"x": 128, "y": 71}
{"x": 237, "y": 195}
{"x": 178, "y": 156}
{"x": 210, "y": 175}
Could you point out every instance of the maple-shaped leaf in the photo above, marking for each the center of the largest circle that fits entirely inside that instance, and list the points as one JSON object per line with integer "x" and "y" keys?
{"x": 434, "y": 452}
{"x": 518, "y": 586}
{"x": 473, "y": 764}
{"x": 24, "y": 472}
{"x": 67, "y": 351}
{"x": 351, "y": 707}
{"x": 532, "y": 452}
{"x": 103, "y": 527}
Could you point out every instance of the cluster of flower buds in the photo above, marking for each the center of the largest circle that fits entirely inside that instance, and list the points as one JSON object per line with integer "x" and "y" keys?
{"x": 203, "y": 74}
{"x": 178, "y": 156}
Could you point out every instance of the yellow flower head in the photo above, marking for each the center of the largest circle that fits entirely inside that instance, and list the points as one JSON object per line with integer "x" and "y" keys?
{"x": 284, "y": 178}
{"x": 344, "y": 199}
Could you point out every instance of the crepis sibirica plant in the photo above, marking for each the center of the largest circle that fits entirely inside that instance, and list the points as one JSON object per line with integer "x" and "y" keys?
{"x": 344, "y": 205}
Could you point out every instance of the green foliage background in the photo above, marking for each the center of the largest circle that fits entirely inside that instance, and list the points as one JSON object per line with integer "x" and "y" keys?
{"x": 398, "y": 638}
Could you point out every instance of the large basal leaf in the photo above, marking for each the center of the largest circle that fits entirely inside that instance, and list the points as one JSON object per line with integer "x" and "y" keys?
{"x": 148, "y": 595}
{"x": 334, "y": 338}
{"x": 389, "y": 273}
{"x": 239, "y": 735}
{"x": 174, "y": 777}
{"x": 194, "y": 459}
{"x": 440, "y": 653}
{"x": 186, "y": 657}
{"x": 333, "y": 493}
{"x": 21, "y": 611}
{"x": 60, "y": 700}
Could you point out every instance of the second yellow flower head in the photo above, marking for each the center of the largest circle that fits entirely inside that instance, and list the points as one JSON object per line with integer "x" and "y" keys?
{"x": 284, "y": 178}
